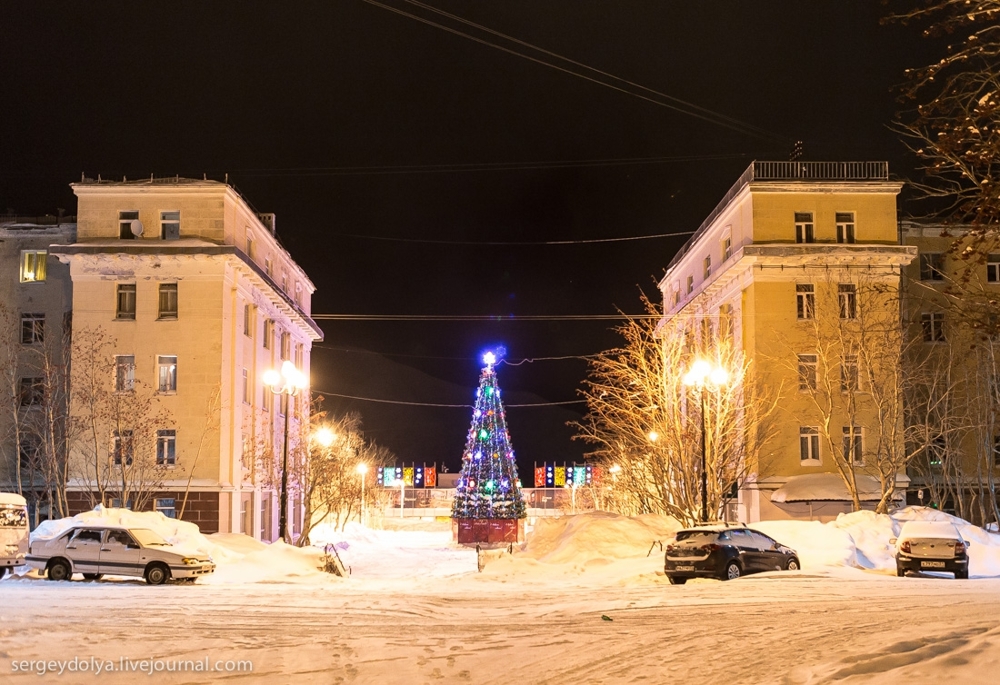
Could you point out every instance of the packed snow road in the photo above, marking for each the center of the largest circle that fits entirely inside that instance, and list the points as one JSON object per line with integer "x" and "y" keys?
{"x": 848, "y": 626}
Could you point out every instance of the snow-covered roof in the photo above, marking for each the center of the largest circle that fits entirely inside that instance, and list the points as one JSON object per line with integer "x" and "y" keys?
{"x": 826, "y": 487}
{"x": 11, "y": 498}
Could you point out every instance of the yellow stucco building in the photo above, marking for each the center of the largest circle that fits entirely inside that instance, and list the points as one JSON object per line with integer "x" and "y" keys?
{"x": 198, "y": 299}
{"x": 795, "y": 260}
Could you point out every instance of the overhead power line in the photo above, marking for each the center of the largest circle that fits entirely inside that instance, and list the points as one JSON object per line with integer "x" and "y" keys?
{"x": 447, "y": 406}
{"x": 426, "y": 356}
{"x": 517, "y": 242}
{"x": 647, "y": 94}
{"x": 481, "y": 317}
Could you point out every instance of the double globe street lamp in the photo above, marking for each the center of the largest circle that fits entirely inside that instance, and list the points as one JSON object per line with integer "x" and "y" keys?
{"x": 287, "y": 383}
{"x": 702, "y": 374}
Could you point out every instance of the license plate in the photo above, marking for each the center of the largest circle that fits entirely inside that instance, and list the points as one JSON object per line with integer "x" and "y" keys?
{"x": 931, "y": 564}
{"x": 684, "y": 568}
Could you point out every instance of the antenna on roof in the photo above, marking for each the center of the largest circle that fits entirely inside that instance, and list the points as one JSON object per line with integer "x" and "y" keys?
{"x": 227, "y": 178}
{"x": 82, "y": 176}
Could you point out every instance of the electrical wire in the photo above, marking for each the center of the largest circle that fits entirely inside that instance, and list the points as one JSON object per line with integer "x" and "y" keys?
{"x": 447, "y": 406}
{"x": 681, "y": 106}
{"x": 481, "y": 317}
{"x": 517, "y": 242}
{"x": 465, "y": 359}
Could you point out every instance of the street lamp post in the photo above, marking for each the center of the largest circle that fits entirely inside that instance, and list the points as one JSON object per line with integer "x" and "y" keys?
{"x": 286, "y": 383}
{"x": 701, "y": 374}
{"x": 363, "y": 471}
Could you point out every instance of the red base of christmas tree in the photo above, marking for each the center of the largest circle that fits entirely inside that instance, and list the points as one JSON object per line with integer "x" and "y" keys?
{"x": 487, "y": 531}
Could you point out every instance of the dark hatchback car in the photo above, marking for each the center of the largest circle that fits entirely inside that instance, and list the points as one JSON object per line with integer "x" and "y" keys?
{"x": 725, "y": 552}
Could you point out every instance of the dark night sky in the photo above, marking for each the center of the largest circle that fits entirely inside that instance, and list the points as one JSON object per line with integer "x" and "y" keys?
{"x": 263, "y": 90}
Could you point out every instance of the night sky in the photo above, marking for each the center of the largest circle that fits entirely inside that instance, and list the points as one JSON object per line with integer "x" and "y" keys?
{"x": 351, "y": 122}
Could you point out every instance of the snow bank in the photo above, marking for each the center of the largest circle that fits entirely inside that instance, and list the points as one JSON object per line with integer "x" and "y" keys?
{"x": 817, "y": 544}
{"x": 238, "y": 558}
{"x": 595, "y": 535}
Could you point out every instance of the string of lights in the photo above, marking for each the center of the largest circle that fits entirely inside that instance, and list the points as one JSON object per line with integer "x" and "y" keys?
{"x": 437, "y": 404}
{"x": 482, "y": 317}
{"x": 517, "y": 242}
{"x": 427, "y": 356}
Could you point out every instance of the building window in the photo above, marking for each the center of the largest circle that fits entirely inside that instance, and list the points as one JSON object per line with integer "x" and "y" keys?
{"x": 853, "y": 446}
{"x": 845, "y": 227}
{"x": 690, "y": 285}
{"x": 286, "y": 346}
{"x": 125, "y": 301}
{"x": 847, "y": 295}
{"x": 936, "y": 450}
{"x": 299, "y": 356}
{"x": 168, "y": 300}
{"x": 31, "y": 391}
{"x": 123, "y": 448}
{"x": 246, "y": 386}
{"x": 931, "y": 266}
{"x": 267, "y": 399}
{"x": 166, "y": 506}
{"x": 807, "y": 372}
{"x": 726, "y": 321}
{"x": 170, "y": 225}
{"x": 248, "y": 320}
{"x": 33, "y": 266}
{"x": 124, "y": 373}
{"x": 993, "y": 268}
{"x": 808, "y": 443}
{"x": 166, "y": 373}
{"x": 268, "y": 266}
{"x": 251, "y": 252}
{"x": 268, "y": 333}
{"x": 933, "y": 326}
{"x": 996, "y": 451}
{"x": 727, "y": 247}
{"x": 805, "y": 301}
{"x": 32, "y": 329}
{"x": 125, "y": 220}
{"x": 804, "y": 227}
{"x": 707, "y": 267}
{"x": 284, "y": 282}
{"x": 166, "y": 447}
{"x": 849, "y": 373}
{"x": 29, "y": 449}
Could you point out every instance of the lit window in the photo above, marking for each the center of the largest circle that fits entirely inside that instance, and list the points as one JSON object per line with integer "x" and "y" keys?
{"x": 123, "y": 448}
{"x": 170, "y": 225}
{"x": 931, "y": 266}
{"x": 125, "y": 220}
{"x": 125, "y": 297}
{"x": 936, "y": 450}
{"x": 32, "y": 329}
{"x": 933, "y": 326}
{"x": 168, "y": 300}
{"x": 847, "y": 295}
{"x": 845, "y": 227}
{"x": 993, "y": 268}
{"x": 852, "y": 445}
{"x": 33, "y": 266}
{"x": 166, "y": 506}
{"x": 807, "y": 372}
{"x": 166, "y": 447}
{"x": 805, "y": 301}
{"x": 808, "y": 443}
{"x": 804, "y": 227}
{"x": 124, "y": 373}
{"x": 166, "y": 374}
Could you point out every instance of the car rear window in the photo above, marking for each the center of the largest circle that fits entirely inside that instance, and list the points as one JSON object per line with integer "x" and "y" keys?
{"x": 701, "y": 536}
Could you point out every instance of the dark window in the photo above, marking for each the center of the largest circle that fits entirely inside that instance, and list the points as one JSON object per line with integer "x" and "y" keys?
{"x": 248, "y": 320}
{"x": 168, "y": 301}
{"x": 933, "y": 326}
{"x": 993, "y": 268}
{"x": 166, "y": 506}
{"x": 931, "y": 266}
{"x": 31, "y": 392}
{"x": 849, "y": 373}
{"x": 808, "y": 443}
{"x": 123, "y": 448}
{"x": 170, "y": 225}
{"x": 268, "y": 333}
{"x": 88, "y": 535}
{"x": 32, "y": 329}
{"x": 935, "y": 451}
{"x": 996, "y": 451}
{"x": 847, "y": 295}
{"x": 807, "y": 372}
{"x": 166, "y": 447}
{"x": 125, "y": 301}
{"x": 804, "y": 228}
{"x": 805, "y": 301}
{"x": 124, "y": 373}
{"x": 125, "y": 220}
{"x": 29, "y": 448}
{"x": 845, "y": 227}
{"x": 853, "y": 445}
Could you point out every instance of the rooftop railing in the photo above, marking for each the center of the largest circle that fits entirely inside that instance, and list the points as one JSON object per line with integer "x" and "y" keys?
{"x": 789, "y": 171}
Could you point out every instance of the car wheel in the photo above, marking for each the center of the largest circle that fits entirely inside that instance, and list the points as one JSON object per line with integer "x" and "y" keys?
{"x": 3, "y": 571}
{"x": 59, "y": 570}
{"x": 900, "y": 571}
{"x": 677, "y": 580}
{"x": 962, "y": 575}
{"x": 93, "y": 576}
{"x": 157, "y": 574}
{"x": 792, "y": 565}
{"x": 733, "y": 571}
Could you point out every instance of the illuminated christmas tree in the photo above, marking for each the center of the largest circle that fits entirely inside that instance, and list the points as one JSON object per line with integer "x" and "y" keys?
{"x": 488, "y": 486}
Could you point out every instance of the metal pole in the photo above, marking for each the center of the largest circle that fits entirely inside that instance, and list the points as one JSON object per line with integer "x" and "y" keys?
{"x": 402, "y": 496}
{"x": 363, "y": 497}
{"x": 283, "y": 499}
{"x": 704, "y": 473}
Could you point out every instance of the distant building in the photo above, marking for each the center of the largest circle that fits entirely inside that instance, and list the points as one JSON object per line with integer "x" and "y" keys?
{"x": 35, "y": 304}
{"x": 198, "y": 299}
{"x": 787, "y": 245}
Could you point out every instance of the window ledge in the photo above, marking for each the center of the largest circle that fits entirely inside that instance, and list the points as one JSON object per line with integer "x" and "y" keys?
{"x": 168, "y": 317}
{"x": 811, "y": 463}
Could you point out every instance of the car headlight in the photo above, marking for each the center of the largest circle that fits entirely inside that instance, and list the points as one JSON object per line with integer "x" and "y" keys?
{"x": 191, "y": 561}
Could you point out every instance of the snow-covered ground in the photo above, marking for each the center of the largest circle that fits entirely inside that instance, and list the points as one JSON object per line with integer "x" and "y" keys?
{"x": 415, "y": 610}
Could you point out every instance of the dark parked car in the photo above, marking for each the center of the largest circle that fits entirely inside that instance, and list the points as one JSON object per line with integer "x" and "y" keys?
{"x": 725, "y": 552}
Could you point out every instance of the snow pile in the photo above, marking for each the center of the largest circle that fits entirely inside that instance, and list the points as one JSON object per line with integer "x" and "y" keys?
{"x": 595, "y": 535}
{"x": 238, "y": 558}
{"x": 817, "y": 544}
